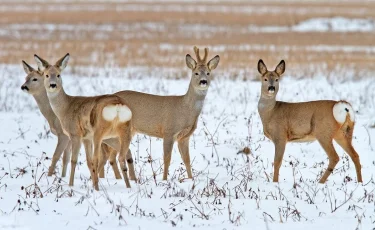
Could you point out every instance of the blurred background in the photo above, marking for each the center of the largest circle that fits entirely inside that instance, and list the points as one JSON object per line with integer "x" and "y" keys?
{"x": 316, "y": 38}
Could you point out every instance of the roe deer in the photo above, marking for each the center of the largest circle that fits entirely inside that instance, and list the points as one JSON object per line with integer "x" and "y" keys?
{"x": 87, "y": 119}
{"x": 34, "y": 85}
{"x": 324, "y": 121}
{"x": 173, "y": 117}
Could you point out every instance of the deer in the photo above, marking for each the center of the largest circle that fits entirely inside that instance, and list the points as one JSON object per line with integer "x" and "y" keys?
{"x": 34, "y": 85}
{"x": 88, "y": 119}
{"x": 173, "y": 118}
{"x": 324, "y": 121}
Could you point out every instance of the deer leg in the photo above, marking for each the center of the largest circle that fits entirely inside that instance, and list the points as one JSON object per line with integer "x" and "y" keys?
{"x": 346, "y": 144}
{"x": 98, "y": 159}
{"x": 115, "y": 144}
{"x": 125, "y": 138}
{"x": 130, "y": 161}
{"x": 279, "y": 154}
{"x": 124, "y": 168}
{"x": 113, "y": 163}
{"x": 88, "y": 149}
{"x": 66, "y": 158}
{"x": 183, "y": 147}
{"x": 168, "y": 147}
{"x": 62, "y": 142}
{"x": 101, "y": 172}
{"x": 332, "y": 156}
{"x": 105, "y": 153}
{"x": 76, "y": 146}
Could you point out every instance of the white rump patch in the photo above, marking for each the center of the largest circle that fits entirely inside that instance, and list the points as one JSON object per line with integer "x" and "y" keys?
{"x": 341, "y": 110}
{"x": 110, "y": 112}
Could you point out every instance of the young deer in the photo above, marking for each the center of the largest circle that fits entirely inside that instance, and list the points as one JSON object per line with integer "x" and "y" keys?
{"x": 173, "y": 118}
{"x": 305, "y": 121}
{"x": 34, "y": 85}
{"x": 88, "y": 119}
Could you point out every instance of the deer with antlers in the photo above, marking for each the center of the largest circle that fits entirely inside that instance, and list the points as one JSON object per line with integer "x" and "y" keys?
{"x": 173, "y": 118}
{"x": 34, "y": 86}
{"x": 323, "y": 121}
{"x": 88, "y": 119}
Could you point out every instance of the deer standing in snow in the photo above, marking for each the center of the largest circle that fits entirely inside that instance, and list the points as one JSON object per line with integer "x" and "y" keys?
{"x": 324, "y": 121}
{"x": 173, "y": 118}
{"x": 88, "y": 119}
{"x": 34, "y": 85}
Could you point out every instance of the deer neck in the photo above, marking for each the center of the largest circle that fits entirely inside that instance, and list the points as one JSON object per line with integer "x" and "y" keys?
{"x": 266, "y": 105}
{"x": 59, "y": 102}
{"x": 44, "y": 106}
{"x": 194, "y": 99}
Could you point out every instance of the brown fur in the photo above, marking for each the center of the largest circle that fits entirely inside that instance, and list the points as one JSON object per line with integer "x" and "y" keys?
{"x": 34, "y": 85}
{"x": 78, "y": 122}
{"x": 300, "y": 122}
{"x": 173, "y": 118}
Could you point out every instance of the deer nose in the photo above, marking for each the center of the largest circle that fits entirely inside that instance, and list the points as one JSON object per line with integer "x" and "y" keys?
{"x": 24, "y": 88}
{"x": 52, "y": 85}
{"x": 271, "y": 88}
{"x": 203, "y": 82}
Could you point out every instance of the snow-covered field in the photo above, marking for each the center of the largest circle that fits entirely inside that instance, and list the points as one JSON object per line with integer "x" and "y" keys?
{"x": 229, "y": 190}
{"x": 47, "y": 32}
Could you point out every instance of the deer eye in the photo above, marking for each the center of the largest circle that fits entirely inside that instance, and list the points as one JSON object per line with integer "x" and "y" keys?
{"x": 276, "y": 79}
{"x": 47, "y": 76}
{"x": 208, "y": 73}
{"x": 35, "y": 79}
{"x": 197, "y": 74}
{"x": 58, "y": 75}
{"x": 265, "y": 79}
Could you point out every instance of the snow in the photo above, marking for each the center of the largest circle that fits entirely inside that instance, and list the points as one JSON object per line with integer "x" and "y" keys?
{"x": 176, "y": 6}
{"x": 281, "y": 48}
{"x": 230, "y": 190}
{"x": 336, "y": 24}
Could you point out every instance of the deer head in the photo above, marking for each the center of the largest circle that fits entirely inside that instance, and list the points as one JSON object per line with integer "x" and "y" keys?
{"x": 52, "y": 79}
{"x": 270, "y": 79}
{"x": 201, "y": 69}
{"x": 34, "y": 80}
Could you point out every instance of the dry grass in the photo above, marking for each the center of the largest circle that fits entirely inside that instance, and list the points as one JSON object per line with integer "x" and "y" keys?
{"x": 144, "y": 34}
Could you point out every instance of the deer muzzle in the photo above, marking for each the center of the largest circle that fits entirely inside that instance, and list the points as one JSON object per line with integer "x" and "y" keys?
{"x": 271, "y": 89}
{"x": 203, "y": 82}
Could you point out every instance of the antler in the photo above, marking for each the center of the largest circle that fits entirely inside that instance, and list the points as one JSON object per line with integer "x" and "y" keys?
{"x": 196, "y": 50}
{"x": 204, "y": 60}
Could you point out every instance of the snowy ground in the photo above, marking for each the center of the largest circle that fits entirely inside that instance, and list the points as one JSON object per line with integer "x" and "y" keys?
{"x": 229, "y": 191}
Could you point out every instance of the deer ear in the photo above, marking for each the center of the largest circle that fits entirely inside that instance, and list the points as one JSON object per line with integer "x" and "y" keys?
{"x": 40, "y": 71}
{"x": 280, "y": 68}
{"x": 212, "y": 64}
{"x": 262, "y": 68}
{"x": 28, "y": 69}
{"x": 190, "y": 62}
{"x": 42, "y": 64}
{"x": 63, "y": 62}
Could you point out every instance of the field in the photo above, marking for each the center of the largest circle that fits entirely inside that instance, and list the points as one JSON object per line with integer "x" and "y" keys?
{"x": 329, "y": 52}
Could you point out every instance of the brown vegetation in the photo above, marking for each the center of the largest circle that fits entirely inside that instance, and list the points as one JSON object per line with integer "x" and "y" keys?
{"x": 160, "y": 34}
